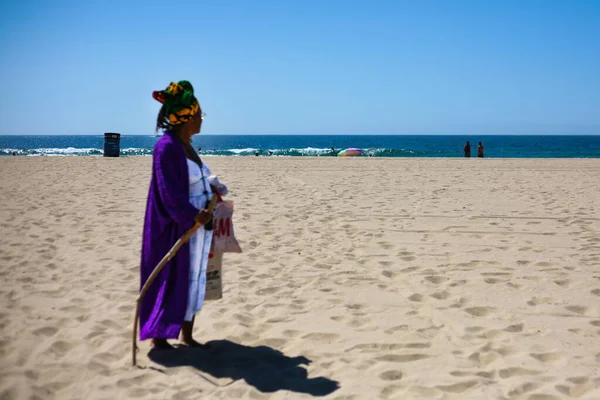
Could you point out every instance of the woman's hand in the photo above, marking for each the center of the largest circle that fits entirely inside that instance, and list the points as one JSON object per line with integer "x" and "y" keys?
{"x": 203, "y": 217}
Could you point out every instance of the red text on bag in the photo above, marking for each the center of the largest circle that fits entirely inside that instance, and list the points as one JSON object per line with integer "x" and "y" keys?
{"x": 222, "y": 227}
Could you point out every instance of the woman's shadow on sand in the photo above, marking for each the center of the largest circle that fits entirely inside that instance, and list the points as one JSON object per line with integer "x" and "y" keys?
{"x": 263, "y": 367}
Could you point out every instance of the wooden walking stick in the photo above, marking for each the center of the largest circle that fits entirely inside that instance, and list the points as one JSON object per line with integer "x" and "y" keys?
{"x": 183, "y": 239}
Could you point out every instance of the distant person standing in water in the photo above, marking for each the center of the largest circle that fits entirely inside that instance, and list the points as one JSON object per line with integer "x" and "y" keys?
{"x": 467, "y": 149}
{"x": 480, "y": 150}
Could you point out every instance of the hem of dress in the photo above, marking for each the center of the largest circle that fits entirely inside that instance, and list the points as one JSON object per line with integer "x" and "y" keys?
{"x": 169, "y": 332}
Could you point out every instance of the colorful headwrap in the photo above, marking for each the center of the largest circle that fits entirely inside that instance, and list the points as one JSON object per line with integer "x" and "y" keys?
{"x": 179, "y": 102}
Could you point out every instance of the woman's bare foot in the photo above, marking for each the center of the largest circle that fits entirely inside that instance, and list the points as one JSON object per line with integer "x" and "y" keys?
{"x": 186, "y": 335}
{"x": 192, "y": 343}
{"x": 161, "y": 344}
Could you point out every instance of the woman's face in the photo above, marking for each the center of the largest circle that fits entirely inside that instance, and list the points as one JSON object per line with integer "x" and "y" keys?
{"x": 196, "y": 123}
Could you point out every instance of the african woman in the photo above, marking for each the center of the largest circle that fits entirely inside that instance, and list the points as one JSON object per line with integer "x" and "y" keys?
{"x": 178, "y": 196}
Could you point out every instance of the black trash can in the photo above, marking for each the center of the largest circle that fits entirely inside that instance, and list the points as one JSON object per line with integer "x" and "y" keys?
{"x": 112, "y": 144}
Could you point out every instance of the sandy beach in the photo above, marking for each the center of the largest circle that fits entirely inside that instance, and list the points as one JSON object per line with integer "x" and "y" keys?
{"x": 360, "y": 279}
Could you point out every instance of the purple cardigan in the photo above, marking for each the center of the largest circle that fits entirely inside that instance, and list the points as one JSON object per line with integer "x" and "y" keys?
{"x": 169, "y": 215}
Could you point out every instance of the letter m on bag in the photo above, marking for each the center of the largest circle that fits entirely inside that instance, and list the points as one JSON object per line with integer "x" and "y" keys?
{"x": 223, "y": 227}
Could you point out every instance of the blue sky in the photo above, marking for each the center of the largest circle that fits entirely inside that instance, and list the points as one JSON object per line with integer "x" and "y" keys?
{"x": 304, "y": 67}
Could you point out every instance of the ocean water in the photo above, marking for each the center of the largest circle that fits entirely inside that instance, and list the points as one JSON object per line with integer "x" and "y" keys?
{"x": 305, "y": 145}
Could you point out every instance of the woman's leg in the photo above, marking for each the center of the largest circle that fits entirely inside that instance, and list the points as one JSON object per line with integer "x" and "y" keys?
{"x": 186, "y": 334}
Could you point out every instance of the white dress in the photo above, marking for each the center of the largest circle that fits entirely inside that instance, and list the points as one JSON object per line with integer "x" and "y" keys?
{"x": 200, "y": 193}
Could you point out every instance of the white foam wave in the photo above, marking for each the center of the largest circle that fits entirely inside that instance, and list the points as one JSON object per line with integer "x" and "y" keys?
{"x": 70, "y": 151}
{"x": 67, "y": 151}
{"x": 241, "y": 151}
{"x": 312, "y": 150}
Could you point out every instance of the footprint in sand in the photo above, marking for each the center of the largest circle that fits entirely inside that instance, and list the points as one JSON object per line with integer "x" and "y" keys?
{"x": 389, "y": 391}
{"x": 290, "y": 333}
{"x": 426, "y": 392}
{"x": 443, "y": 295}
{"x": 562, "y": 282}
{"x": 517, "y": 371}
{"x": 278, "y": 320}
{"x": 321, "y": 337}
{"x": 401, "y": 358}
{"x": 397, "y": 329}
{"x": 425, "y": 345}
{"x": 436, "y": 279}
{"x": 339, "y": 318}
{"x": 540, "y": 396}
{"x": 354, "y": 306}
{"x": 539, "y": 300}
{"x": 479, "y": 311}
{"x": 546, "y": 358}
{"x": 460, "y": 303}
{"x": 389, "y": 274}
{"x": 577, "y": 390}
{"x": 496, "y": 273}
{"x": 98, "y": 368}
{"x": 273, "y": 342}
{"x": 45, "y": 331}
{"x": 268, "y": 291}
{"x": 543, "y": 264}
{"x": 60, "y": 347}
{"x": 483, "y": 374}
{"x": 514, "y": 285}
{"x": 136, "y": 381}
{"x": 409, "y": 269}
{"x": 524, "y": 388}
{"x": 483, "y": 359}
{"x": 492, "y": 334}
{"x": 458, "y": 387}
{"x": 582, "y": 310}
{"x": 385, "y": 245}
{"x": 474, "y": 329}
{"x": 54, "y": 386}
{"x": 596, "y": 292}
{"x": 373, "y": 347}
{"x": 514, "y": 328}
{"x": 506, "y": 351}
{"x": 358, "y": 322}
{"x": 416, "y": 297}
{"x": 390, "y": 375}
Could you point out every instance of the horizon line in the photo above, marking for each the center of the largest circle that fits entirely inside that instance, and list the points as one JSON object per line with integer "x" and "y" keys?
{"x": 317, "y": 134}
